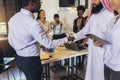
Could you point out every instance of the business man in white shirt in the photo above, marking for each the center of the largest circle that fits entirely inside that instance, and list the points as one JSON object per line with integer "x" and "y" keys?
{"x": 25, "y": 34}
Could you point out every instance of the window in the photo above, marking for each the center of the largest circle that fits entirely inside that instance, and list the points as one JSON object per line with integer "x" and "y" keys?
{"x": 3, "y": 29}
{"x": 72, "y": 3}
{"x": 7, "y": 9}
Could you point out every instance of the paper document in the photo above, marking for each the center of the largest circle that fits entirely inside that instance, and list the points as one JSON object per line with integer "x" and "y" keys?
{"x": 44, "y": 56}
{"x": 94, "y": 37}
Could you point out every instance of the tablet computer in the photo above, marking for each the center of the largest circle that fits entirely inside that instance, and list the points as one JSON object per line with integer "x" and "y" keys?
{"x": 94, "y": 37}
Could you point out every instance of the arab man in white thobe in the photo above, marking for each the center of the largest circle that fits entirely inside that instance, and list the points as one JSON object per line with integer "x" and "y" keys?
{"x": 101, "y": 14}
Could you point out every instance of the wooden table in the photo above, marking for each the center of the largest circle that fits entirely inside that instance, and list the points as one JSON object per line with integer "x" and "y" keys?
{"x": 60, "y": 53}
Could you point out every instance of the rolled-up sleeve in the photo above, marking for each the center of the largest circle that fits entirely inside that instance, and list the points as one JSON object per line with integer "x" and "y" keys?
{"x": 81, "y": 34}
{"x": 40, "y": 36}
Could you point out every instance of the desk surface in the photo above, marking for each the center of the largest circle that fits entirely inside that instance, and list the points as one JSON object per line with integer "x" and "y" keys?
{"x": 59, "y": 54}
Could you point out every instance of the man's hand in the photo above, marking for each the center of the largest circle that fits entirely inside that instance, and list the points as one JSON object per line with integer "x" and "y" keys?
{"x": 70, "y": 38}
{"x": 98, "y": 43}
{"x": 82, "y": 44}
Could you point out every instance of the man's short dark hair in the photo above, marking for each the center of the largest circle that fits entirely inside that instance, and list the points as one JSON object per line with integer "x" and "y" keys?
{"x": 26, "y": 2}
{"x": 56, "y": 15}
{"x": 81, "y": 8}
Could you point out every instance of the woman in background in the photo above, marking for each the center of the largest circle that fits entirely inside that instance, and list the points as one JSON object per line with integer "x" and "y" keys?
{"x": 41, "y": 17}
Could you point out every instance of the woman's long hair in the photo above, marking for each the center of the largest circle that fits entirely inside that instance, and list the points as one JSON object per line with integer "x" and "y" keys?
{"x": 38, "y": 14}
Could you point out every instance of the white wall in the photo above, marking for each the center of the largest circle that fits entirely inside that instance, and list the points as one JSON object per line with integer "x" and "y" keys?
{"x": 51, "y": 7}
{"x": 66, "y": 16}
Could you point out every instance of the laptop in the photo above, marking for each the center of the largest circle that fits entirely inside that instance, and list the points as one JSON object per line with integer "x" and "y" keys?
{"x": 74, "y": 47}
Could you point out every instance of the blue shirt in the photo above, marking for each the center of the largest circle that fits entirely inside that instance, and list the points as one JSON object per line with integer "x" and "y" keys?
{"x": 25, "y": 34}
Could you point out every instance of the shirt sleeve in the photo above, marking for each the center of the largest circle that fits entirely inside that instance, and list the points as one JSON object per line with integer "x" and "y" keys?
{"x": 81, "y": 34}
{"x": 40, "y": 36}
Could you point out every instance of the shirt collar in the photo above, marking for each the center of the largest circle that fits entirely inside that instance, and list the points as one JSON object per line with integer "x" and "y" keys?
{"x": 27, "y": 12}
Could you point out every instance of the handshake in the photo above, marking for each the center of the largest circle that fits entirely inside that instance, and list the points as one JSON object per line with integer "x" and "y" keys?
{"x": 70, "y": 38}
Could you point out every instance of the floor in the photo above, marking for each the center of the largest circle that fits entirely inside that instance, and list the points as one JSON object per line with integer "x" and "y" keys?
{"x": 14, "y": 74}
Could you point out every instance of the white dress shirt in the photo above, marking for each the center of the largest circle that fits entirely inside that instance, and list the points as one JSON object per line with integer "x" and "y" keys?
{"x": 58, "y": 29}
{"x": 112, "y": 54}
{"x": 25, "y": 34}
